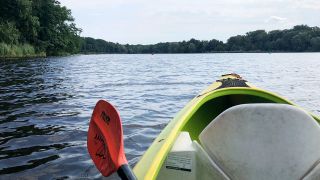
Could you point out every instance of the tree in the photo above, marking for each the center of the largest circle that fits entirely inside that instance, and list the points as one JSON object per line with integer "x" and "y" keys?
{"x": 237, "y": 43}
{"x": 9, "y": 33}
{"x": 57, "y": 32}
{"x": 44, "y": 24}
{"x": 299, "y": 38}
{"x": 257, "y": 39}
{"x": 315, "y": 44}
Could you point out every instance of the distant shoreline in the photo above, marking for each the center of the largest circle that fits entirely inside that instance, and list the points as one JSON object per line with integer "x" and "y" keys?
{"x": 218, "y": 52}
{"x": 300, "y": 38}
{"x": 22, "y": 58}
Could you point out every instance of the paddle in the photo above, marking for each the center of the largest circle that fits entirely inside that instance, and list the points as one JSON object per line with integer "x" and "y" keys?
{"x": 105, "y": 141}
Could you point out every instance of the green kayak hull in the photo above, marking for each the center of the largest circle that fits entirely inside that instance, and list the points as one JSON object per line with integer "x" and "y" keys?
{"x": 228, "y": 91}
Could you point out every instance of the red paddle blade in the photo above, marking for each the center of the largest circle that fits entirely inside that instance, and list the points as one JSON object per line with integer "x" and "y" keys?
{"x": 105, "y": 139}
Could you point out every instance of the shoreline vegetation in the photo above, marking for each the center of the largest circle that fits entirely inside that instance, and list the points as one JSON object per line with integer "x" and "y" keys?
{"x": 41, "y": 28}
{"x": 300, "y": 38}
{"x": 37, "y": 28}
{"x": 19, "y": 51}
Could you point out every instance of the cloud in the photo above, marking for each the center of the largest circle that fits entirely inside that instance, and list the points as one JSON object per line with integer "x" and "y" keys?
{"x": 152, "y": 21}
{"x": 307, "y": 4}
{"x": 276, "y": 19}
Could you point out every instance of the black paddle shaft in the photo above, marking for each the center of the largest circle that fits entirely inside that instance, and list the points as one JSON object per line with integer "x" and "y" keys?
{"x": 125, "y": 173}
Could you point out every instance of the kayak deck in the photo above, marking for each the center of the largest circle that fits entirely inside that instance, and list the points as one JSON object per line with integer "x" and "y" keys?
{"x": 197, "y": 114}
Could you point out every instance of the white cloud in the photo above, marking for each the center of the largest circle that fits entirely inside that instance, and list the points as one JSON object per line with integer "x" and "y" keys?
{"x": 307, "y": 4}
{"x": 151, "y": 21}
{"x": 276, "y": 19}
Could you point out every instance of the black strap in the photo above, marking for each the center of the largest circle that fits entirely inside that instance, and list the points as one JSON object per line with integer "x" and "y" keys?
{"x": 125, "y": 173}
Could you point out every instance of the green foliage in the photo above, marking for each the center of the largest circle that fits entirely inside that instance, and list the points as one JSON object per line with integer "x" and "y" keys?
{"x": 4, "y": 49}
{"x": 315, "y": 44}
{"x": 90, "y": 45}
{"x": 9, "y": 33}
{"x": 19, "y": 50}
{"x": 298, "y": 39}
{"x": 57, "y": 35}
{"x": 44, "y": 24}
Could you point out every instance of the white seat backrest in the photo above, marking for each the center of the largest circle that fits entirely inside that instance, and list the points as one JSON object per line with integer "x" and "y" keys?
{"x": 263, "y": 141}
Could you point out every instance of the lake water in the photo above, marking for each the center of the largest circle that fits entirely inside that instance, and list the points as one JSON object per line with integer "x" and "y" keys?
{"x": 46, "y": 104}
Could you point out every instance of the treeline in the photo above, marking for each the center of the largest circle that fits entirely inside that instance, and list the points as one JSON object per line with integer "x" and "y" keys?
{"x": 37, "y": 28}
{"x": 91, "y": 45}
{"x": 300, "y": 38}
{"x": 45, "y": 28}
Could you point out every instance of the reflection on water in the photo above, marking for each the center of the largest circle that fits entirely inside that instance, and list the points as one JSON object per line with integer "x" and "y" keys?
{"x": 46, "y": 104}
{"x": 25, "y": 131}
{"x": 30, "y": 164}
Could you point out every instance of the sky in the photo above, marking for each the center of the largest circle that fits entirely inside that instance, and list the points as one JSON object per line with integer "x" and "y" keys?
{"x": 153, "y": 21}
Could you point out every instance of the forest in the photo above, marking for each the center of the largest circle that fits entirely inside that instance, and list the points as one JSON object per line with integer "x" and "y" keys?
{"x": 300, "y": 38}
{"x": 39, "y": 28}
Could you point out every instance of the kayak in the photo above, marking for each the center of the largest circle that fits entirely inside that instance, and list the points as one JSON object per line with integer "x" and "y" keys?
{"x": 234, "y": 130}
{"x": 231, "y": 130}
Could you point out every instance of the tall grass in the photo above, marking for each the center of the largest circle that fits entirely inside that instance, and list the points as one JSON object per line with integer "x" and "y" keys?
{"x": 18, "y": 51}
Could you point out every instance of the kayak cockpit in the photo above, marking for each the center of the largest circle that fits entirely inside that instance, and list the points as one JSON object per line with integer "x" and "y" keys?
{"x": 213, "y": 106}
{"x": 195, "y": 117}
{"x": 249, "y": 141}
{"x": 187, "y": 160}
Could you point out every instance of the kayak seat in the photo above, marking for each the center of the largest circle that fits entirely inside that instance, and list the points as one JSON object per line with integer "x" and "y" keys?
{"x": 264, "y": 141}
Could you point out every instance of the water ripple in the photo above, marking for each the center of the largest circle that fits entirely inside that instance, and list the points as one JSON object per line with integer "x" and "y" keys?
{"x": 46, "y": 104}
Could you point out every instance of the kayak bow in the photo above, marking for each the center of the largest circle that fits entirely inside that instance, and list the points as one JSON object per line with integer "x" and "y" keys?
{"x": 229, "y": 91}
